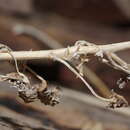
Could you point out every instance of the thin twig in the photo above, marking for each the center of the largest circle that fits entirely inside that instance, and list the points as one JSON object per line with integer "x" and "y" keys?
{"x": 34, "y": 73}
{"x": 68, "y": 65}
{"x": 15, "y": 61}
{"x": 119, "y": 60}
{"x": 5, "y": 48}
{"x": 116, "y": 65}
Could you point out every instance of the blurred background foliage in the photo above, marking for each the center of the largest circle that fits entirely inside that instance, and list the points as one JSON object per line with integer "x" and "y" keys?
{"x": 97, "y": 21}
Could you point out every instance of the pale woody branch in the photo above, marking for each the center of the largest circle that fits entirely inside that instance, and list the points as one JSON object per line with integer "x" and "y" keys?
{"x": 46, "y": 54}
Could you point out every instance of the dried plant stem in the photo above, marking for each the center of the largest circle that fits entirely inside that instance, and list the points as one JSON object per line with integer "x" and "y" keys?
{"x": 117, "y": 63}
{"x": 15, "y": 61}
{"x": 82, "y": 50}
{"x": 45, "y": 54}
{"x": 34, "y": 73}
{"x": 116, "y": 46}
{"x": 119, "y": 60}
{"x": 83, "y": 80}
{"x": 45, "y": 39}
{"x": 4, "y": 48}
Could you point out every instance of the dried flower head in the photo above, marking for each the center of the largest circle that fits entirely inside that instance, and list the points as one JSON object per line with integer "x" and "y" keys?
{"x": 50, "y": 96}
{"x": 32, "y": 92}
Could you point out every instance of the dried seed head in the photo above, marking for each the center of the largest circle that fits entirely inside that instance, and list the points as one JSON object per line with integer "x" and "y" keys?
{"x": 117, "y": 101}
{"x": 29, "y": 95}
{"x": 49, "y": 96}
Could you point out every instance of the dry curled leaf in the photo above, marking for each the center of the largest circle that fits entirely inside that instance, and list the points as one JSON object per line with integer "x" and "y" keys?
{"x": 117, "y": 101}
